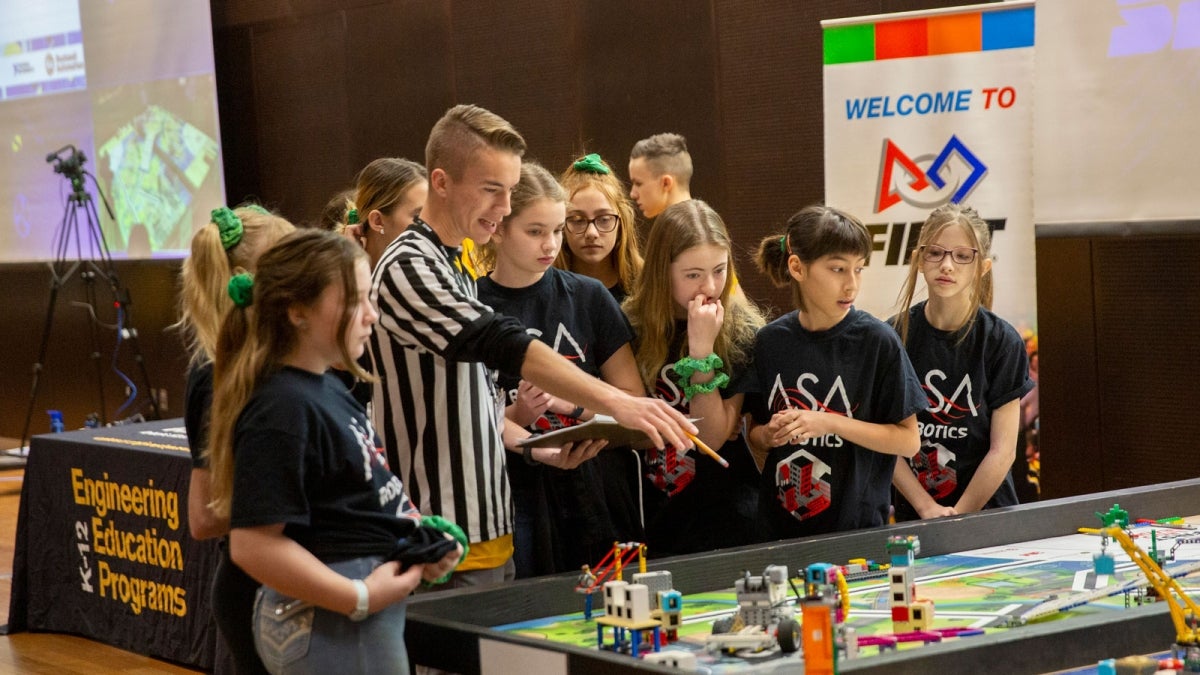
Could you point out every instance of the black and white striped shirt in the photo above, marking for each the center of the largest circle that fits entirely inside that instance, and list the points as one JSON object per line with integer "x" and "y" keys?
{"x": 436, "y": 404}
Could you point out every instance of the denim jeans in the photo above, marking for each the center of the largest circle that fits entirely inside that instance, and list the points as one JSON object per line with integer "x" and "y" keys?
{"x": 295, "y": 637}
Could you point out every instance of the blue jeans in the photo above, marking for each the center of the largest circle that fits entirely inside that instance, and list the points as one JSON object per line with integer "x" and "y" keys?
{"x": 296, "y": 637}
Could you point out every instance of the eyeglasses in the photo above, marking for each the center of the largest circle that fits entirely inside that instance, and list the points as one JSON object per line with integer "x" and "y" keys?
{"x": 962, "y": 255}
{"x": 604, "y": 223}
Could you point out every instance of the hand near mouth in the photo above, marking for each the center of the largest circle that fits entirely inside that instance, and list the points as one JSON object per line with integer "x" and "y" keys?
{"x": 705, "y": 316}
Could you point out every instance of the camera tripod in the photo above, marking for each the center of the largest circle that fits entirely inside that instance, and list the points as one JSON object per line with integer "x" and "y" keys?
{"x": 92, "y": 260}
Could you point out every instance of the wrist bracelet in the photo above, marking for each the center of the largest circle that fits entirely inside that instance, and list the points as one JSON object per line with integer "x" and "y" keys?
{"x": 527, "y": 453}
{"x": 691, "y": 390}
{"x": 687, "y": 366}
{"x": 362, "y": 606}
{"x": 577, "y": 413}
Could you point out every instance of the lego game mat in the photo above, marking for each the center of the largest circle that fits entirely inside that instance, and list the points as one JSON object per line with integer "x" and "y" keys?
{"x": 993, "y": 589}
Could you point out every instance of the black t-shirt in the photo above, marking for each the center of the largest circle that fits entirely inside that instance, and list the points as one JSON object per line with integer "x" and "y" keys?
{"x": 577, "y": 514}
{"x": 964, "y": 383}
{"x": 197, "y": 404}
{"x": 305, "y": 456}
{"x": 857, "y": 368}
{"x": 692, "y": 503}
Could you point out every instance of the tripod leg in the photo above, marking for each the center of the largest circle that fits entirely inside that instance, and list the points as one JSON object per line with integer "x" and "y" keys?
{"x": 55, "y": 284}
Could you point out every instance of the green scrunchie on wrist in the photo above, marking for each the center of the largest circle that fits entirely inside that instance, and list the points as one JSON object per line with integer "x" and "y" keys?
{"x": 690, "y": 390}
{"x": 241, "y": 289}
{"x": 228, "y": 225}
{"x": 687, "y": 366}
{"x": 591, "y": 164}
{"x": 442, "y": 525}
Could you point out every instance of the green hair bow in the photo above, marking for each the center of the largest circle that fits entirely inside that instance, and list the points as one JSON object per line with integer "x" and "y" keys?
{"x": 241, "y": 289}
{"x": 592, "y": 164}
{"x": 228, "y": 225}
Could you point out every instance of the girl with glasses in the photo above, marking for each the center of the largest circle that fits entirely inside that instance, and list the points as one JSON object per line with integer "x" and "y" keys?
{"x": 694, "y": 339}
{"x": 600, "y": 239}
{"x": 563, "y": 518}
{"x": 837, "y": 396}
{"x": 973, "y": 367}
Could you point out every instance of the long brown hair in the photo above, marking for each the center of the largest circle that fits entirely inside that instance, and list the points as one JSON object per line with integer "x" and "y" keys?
{"x": 651, "y": 306}
{"x": 203, "y": 300}
{"x": 626, "y": 256}
{"x": 977, "y": 230}
{"x": 254, "y": 339}
{"x": 811, "y": 232}
{"x": 535, "y": 183}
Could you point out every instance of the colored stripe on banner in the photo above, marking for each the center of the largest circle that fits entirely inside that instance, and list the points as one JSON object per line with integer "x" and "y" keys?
{"x": 930, "y": 36}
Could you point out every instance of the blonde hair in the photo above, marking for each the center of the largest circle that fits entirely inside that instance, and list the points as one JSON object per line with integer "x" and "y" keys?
{"x": 626, "y": 256}
{"x": 536, "y": 183}
{"x": 204, "y": 300}
{"x": 651, "y": 309}
{"x": 977, "y": 230}
{"x": 811, "y": 232}
{"x": 462, "y": 131}
{"x": 254, "y": 339}
{"x": 382, "y": 185}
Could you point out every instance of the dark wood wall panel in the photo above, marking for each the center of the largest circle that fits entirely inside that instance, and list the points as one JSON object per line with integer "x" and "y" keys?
{"x": 1068, "y": 387}
{"x": 301, "y": 98}
{"x": 765, "y": 110}
{"x": 1148, "y": 366}
{"x": 518, "y": 63}
{"x": 399, "y": 78}
{"x": 648, "y": 68}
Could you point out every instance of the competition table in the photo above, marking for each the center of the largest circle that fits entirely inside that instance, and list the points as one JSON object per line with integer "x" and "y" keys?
{"x": 102, "y": 546}
{"x": 454, "y": 629}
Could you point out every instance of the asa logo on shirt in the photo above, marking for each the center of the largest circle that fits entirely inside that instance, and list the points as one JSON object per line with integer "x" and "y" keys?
{"x": 667, "y": 389}
{"x": 563, "y": 340}
{"x": 836, "y": 401}
{"x": 956, "y": 406}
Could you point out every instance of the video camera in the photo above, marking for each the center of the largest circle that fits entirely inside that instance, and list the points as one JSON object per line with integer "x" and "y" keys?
{"x": 69, "y": 164}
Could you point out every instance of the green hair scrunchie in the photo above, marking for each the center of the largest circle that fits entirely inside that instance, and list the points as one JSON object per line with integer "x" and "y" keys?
{"x": 783, "y": 244}
{"x": 352, "y": 217}
{"x": 591, "y": 164}
{"x": 228, "y": 225}
{"x": 442, "y": 525}
{"x": 241, "y": 289}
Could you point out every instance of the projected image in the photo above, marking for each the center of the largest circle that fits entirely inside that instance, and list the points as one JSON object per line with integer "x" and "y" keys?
{"x": 141, "y": 108}
{"x": 33, "y": 198}
{"x": 156, "y": 163}
{"x": 42, "y": 49}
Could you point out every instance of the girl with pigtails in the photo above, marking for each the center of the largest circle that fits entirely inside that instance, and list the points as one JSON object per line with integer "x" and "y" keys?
{"x": 316, "y": 516}
{"x": 694, "y": 343}
{"x": 229, "y": 244}
{"x": 973, "y": 367}
{"x": 836, "y": 395}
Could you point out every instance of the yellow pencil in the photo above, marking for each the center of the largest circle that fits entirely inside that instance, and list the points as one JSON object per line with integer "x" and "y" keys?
{"x": 708, "y": 451}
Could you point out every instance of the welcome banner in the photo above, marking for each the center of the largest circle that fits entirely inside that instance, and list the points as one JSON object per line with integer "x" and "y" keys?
{"x": 925, "y": 108}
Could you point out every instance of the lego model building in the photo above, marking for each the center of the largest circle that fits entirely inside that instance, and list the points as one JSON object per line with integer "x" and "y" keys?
{"x": 908, "y": 613}
{"x": 627, "y": 612}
